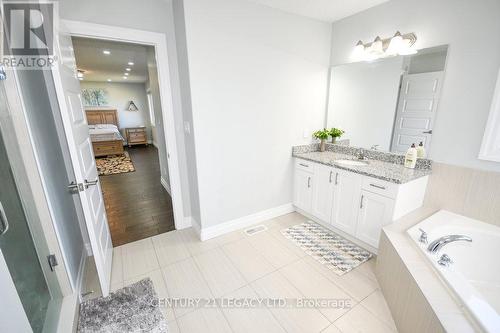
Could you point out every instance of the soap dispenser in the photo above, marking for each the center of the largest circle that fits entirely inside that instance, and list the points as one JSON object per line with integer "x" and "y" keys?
{"x": 421, "y": 150}
{"x": 411, "y": 157}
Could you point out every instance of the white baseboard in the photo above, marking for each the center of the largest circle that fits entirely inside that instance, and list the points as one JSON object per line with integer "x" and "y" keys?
{"x": 186, "y": 223}
{"x": 166, "y": 185}
{"x": 245, "y": 221}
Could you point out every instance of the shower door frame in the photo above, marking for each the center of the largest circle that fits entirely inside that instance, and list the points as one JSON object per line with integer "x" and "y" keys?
{"x": 24, "y": 164}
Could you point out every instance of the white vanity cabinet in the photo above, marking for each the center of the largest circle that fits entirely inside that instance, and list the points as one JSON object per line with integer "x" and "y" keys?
{"x": 375, "y": 211}
{"x": 322, "y": 192}
{"x": 303, "y": 185}
{"x": 359, "y": 206}
{"x": 346, "y": 200}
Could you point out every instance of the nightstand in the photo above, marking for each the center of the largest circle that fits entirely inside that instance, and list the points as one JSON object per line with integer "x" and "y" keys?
{"x": 136, "y": 136}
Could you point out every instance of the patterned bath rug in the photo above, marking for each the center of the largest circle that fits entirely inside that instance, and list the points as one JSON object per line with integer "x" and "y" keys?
{"x": 134, "y": 308}
{"x": 330, "y": 249}
{"x": 112, "y": 165}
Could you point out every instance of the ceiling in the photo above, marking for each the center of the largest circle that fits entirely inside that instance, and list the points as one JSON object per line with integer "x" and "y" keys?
{"x": 324, "y": 10}
{"x": 100, "y": 67}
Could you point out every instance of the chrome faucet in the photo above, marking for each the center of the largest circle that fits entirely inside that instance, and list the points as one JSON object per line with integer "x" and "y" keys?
{"x": 361, "y": 155}
{"x": 439, "y": 243}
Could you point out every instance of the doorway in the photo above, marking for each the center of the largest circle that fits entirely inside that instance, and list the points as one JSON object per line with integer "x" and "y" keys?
{"x": 68, "y": 99}
{"x": 120, "y": 95}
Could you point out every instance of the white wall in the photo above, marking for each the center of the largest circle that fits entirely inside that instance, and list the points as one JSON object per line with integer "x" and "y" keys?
{"x": 258, "y": 79}
{"x": 469, "y": 27}
{"x": 119, "y": 95}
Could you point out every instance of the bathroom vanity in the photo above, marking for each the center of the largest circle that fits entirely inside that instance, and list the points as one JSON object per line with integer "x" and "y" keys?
{"x": 353, "y": 197}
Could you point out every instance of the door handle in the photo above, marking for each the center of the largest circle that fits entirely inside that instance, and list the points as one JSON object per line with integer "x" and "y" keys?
{"x": 4, "y": 223}
{"x": 331, "y": 172}
{"x": 336, "y": 178}
{"x": 427, "y": 132}
{"x": 361, "y": 202}
{"x": 91, "y": 183}
{"x": 73, "y": 186}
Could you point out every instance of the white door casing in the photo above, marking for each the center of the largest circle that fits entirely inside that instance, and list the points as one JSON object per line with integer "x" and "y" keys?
{"x": 76, "y": 131}
{"x": 416, "y": 110}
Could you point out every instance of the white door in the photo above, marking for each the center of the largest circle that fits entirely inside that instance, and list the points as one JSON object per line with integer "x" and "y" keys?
{"x": 303, "y": 189}
{"x": 417, "y": 105}
{"x": 82, "y": 157}
{"x": 346, "y": 201}
{"x": 13, "y": 316}
{"x": 375, "y": 212}
{"x": 322, "y": 193}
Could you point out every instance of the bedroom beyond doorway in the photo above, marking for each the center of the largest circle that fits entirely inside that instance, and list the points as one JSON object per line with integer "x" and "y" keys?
{"x": 120, "y": 95}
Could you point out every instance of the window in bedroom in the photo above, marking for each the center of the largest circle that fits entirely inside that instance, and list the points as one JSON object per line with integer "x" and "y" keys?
{"x": 151, "y": 109}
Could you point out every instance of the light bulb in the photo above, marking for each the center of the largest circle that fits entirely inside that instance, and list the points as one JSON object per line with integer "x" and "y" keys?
{"x": 395, "y": 45}
{"x": 406, "y": 48}
{"x": 377, "y": 47}
{"x": 358, "y": 52}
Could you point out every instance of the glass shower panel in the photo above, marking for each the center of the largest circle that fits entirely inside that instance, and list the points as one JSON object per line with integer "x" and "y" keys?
{"x": 18, "y": 249}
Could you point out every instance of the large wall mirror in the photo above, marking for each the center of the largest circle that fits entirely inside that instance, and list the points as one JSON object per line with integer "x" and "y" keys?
{"x": 390, "y": 103}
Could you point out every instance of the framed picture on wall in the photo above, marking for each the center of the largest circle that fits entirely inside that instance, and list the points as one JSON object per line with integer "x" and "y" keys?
{"x": 95, "y": 97}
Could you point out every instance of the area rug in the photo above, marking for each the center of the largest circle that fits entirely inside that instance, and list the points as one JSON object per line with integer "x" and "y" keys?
{"x": 134, "y": 308}
{"x": 112, "y": 165}
{"x": 330, "y": 249}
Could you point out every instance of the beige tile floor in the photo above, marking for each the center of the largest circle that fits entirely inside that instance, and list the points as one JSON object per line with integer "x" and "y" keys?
{"x": 265, "y": 265}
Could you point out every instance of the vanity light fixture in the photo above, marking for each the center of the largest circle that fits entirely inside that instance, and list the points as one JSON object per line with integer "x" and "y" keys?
{"x": 106, "y": 52}
{"x": 79, "y": 74}
{"x": 399, "y": 44}
{"x": 130, "y": 63}
{"x": 128, "y": 69}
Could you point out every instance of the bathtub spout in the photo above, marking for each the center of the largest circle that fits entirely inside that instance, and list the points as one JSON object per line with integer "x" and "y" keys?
{"x": 439, "y": 243}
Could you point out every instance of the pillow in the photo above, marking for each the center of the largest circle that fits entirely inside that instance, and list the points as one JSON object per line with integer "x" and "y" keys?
{"x": 102, "y": 126}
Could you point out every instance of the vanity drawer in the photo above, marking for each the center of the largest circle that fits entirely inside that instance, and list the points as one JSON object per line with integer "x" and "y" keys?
{"x": 304, "y": 165}
{"x": 379, "y": 186}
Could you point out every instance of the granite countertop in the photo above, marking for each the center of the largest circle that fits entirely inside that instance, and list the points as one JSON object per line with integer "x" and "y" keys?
{"x": 391, "y": 172}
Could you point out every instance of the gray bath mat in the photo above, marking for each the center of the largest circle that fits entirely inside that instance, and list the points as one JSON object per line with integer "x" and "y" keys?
{"x": 330, "y": 249}
{"x": 130, "y": 309}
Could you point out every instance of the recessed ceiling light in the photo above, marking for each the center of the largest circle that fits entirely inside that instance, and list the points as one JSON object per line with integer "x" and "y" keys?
{"x": 125, "y": 74}
{"x": 128, "y": 69}
{"x": 109, "y": 80}
{"x": 130, "y": 63}
{"x": 106, "y": 52}
{"x": 124, "y": 77}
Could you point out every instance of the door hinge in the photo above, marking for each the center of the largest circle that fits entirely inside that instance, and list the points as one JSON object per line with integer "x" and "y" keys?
{"x": 52, "y": 261}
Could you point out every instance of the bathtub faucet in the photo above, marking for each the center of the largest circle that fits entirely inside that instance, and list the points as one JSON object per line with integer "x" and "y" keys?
{"x": 436, "y": 245}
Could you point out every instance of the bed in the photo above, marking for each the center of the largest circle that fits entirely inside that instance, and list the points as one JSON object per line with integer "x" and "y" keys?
{"x": 104, "y": 132}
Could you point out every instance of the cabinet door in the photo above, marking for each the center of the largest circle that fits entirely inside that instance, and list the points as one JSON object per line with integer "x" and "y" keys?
{"x": 346, "y": 200}
{"x": 303, "y": 186}
{"x": 322, "y": 194}
{"x": 375, "y": 212}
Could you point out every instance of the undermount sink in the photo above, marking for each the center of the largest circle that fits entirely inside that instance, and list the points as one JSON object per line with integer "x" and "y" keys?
{"x": 352, "y": 162}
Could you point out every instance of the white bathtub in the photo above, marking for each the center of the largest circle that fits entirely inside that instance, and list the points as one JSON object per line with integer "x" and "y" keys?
{"x": 474, "y": 274}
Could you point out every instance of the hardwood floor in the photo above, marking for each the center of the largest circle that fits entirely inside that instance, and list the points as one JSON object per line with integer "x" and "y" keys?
{"x": 137, "y": 205}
